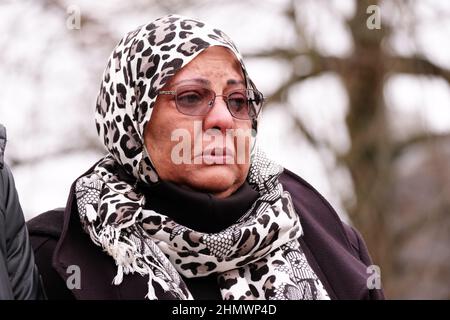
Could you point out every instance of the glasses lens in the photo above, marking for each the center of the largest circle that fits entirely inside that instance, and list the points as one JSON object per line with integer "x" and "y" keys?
{"x": 193, "y": 100}
{"x": 238, "y": 104}
{"x": 245, "y": 104}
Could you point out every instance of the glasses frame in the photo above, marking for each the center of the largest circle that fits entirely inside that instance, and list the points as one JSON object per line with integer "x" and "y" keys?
{"x": 212, "y": 101}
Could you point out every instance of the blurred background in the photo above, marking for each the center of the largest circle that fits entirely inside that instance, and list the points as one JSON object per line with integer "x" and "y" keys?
{"x": 358, "y": 105}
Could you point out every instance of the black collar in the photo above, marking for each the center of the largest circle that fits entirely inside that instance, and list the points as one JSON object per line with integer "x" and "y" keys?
{"x": 198, "y": 210}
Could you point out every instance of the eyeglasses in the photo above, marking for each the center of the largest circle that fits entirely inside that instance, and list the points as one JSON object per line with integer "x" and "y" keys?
{"x": 192, "y": 100}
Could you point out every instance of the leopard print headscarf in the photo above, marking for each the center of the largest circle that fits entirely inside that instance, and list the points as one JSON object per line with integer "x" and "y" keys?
{"x": 258, "y": 257}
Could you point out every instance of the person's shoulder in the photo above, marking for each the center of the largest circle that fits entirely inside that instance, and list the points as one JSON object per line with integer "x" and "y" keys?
{"x": 6, "y": 182}
{"x": 6, "y": 177}
{"x": 45, "y": 230}
{"x": 2, "y": 144}
{"x": 315, "y": 210}
{"x": 47, "y": 224}
{"x": 10, "y": 209}
{"x": 305, "y": 194}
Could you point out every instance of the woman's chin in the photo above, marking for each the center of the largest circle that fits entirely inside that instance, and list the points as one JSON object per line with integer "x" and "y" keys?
{"x": 216, "y": 179}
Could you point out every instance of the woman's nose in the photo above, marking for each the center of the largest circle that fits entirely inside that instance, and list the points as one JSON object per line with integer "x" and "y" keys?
{"x": 218, "y": 117}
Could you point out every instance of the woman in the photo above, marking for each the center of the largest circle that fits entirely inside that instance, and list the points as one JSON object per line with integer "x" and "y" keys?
{"x": 185, "y": 205}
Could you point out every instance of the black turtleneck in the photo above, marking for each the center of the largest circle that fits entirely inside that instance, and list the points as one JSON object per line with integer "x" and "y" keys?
{"x": 199, "y": 211}
{"x": 202, "y": 212}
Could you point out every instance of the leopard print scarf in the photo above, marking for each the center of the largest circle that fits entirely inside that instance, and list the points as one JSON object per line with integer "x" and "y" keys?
{"x": 258, "y": 257}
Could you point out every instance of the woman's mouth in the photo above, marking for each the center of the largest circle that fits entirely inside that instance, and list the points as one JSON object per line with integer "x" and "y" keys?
{"x": 217, "y": 156}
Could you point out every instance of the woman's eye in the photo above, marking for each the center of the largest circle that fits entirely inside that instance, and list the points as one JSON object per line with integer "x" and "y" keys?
{"x": 238, "y": 101}
{"x": 190, "y": 98}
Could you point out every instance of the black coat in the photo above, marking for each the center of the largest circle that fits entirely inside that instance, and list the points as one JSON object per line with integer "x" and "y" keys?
{"x": 19, "y": 278}
{"x": 335, "y": 251}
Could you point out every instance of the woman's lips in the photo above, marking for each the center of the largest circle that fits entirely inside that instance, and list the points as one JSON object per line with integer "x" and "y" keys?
{"x": 216, "y": 156}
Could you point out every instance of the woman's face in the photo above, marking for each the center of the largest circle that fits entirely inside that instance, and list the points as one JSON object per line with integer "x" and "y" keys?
{"x": 206, "y": 153}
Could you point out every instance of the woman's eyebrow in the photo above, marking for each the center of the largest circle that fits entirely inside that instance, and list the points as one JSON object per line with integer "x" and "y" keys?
{"x": 233, "y": 82}
{"x": 207, "y": 82}
{"x": 198, "y": 80}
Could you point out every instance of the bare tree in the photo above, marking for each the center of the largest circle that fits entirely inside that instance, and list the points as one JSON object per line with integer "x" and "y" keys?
{"x": 375, "y": 151}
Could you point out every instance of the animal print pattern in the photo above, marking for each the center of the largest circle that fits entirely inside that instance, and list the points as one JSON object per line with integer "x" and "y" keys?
{"x": 259, "y": 257}
{"x": 140, "y": 65}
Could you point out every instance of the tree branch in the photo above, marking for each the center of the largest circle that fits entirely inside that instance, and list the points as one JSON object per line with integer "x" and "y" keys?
{"x": 434, "y": 215}
{"x": 277, "y": 53}
{"x": 279, "y": 96}
{"x": 63, "y": 151}
{"x": 299, "y": 125}
{"x": 417, "y": 66}
{"x": 400, "y": 147}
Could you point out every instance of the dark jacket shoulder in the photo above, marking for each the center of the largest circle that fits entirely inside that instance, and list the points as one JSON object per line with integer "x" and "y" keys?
{"x": 45, "y": 232}
{"x": 339, "y": 249}
{"x": 19, "y": 278}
